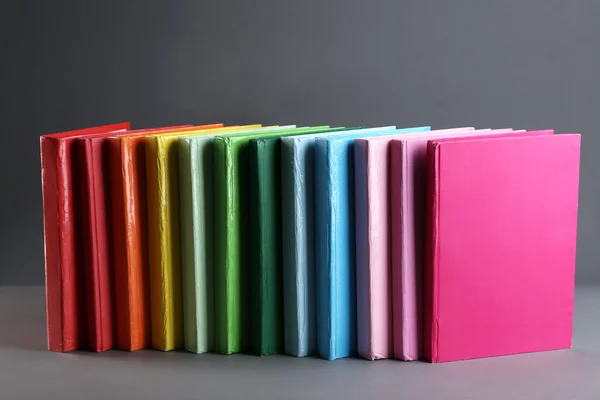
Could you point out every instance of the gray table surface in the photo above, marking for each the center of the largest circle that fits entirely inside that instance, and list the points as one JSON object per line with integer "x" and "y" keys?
{"x": 29, "y": 371}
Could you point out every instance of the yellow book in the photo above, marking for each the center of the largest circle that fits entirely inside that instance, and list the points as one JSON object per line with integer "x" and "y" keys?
{"x": 166, "y": 292}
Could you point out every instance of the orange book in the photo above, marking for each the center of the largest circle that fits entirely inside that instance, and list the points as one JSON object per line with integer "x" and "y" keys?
{"x": 130, "y": 236}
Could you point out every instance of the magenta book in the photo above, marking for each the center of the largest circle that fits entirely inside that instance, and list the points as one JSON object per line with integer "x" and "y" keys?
{"x": 500, "y": 245}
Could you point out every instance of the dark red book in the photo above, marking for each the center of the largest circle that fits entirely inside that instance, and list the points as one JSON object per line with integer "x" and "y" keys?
{"x": 63, "y": 239}
{"x": 97, "y": 250}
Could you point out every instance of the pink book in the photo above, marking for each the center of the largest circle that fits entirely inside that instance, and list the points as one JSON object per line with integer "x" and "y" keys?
{"x": 373, "y": 254}
{"x": 500, "y": 245}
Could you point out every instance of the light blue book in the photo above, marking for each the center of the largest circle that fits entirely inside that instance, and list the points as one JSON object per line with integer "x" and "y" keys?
{"x": 299, "y": 287}
{"x": 335, "y": 243}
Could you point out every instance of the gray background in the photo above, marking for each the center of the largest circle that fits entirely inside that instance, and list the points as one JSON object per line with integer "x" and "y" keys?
{"x": 72, "y": 64}
{"x": 69, "y": 64}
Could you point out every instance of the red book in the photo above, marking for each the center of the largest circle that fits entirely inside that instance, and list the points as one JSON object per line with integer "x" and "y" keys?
{"x": 63, "y": 244}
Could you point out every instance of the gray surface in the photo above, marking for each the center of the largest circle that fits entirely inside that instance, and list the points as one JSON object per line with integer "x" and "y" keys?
{"x": 27, "y": 370}
{"x": 69, "y": 63}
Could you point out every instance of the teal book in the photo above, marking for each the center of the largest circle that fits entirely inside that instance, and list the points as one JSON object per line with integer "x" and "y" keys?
{"x": 196, "y": 210}
{"x": 266, "y": 290}
{"x": 231, "y": 242}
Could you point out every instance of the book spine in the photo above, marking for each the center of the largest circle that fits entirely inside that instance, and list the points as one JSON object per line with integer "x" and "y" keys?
{"x": 56, "y": 330}
{"x": 326, "y": 322}
{"x": 171, "y": 237}
{"x": 342, "y": 239}
{"x": 73, "y": 303}
{"x": 255, "y": 283}
{"x": 136, "y": 210}
{"x": 269, "y": 212}
{"x": 304, "y": 209}
{"x": 226, "y": 341}
{"x": 123, "y": 312}
{"x": 97, "y": 251}
{"x": 102, "y": 203}
{"x": 289, "y": 244}
{"x": 157, "y": 283}
{"x": 398, "y": 242}
{"x": 379, "y": 264}
{"x": 191, "y": 313}
{"x": 430, "y": 328}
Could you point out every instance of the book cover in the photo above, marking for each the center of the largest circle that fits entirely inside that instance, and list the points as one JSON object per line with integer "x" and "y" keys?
{"x": 373, "y": 250}
{"x": 231, "y": 241}
{"x": 128, "y": 219}
{"x": 297, "y": 235}
{"x": 196, "y": 202}
{"x": 63, "y": 242}
{"x": 500, "y": 245}
{"x": 335, "y": 238}
{"x": 266, "y": 291}
{"x": 162, "y": 186}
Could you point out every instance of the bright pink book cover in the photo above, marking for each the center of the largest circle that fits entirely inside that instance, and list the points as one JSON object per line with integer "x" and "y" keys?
{"x": 500, "y": 245}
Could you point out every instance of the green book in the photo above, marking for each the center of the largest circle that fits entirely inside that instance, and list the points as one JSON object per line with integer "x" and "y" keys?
{"x": 232, "y": 252}
{"x": 196, "y": 210}
{"x": 266, "y": 334}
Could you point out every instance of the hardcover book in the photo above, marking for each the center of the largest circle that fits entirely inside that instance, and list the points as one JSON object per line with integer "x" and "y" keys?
{"x": 162, "y": 185}
{"x": 63, "y": 240}
{"x": 335, "y": 238}
{"x": 298, "y": 241}
{"x": 500, "y": 245}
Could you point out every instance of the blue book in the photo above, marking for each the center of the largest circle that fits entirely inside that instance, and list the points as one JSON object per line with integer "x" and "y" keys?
{"x": 297, "y": 185}
{"x": 335, "y": 243}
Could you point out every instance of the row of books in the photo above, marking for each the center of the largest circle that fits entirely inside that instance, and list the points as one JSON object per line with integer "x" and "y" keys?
{"x": 382, "y": 242}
